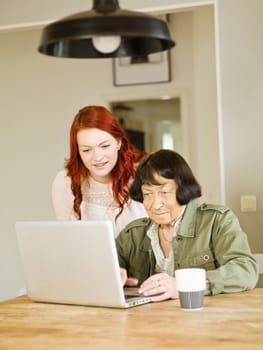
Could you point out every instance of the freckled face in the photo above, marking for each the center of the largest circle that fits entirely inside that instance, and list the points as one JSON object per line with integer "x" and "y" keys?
{"x": 99, "y": 152}
{"x": 160, "y": 201}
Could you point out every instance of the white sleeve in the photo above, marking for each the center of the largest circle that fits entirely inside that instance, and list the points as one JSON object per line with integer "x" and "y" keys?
{"x": 62, "y": 197}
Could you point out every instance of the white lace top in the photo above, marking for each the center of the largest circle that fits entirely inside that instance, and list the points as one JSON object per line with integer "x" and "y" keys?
{"x": 97, "y": 204}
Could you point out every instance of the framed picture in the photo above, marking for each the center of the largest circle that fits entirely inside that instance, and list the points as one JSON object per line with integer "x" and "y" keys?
{"x": 151, "y": 69}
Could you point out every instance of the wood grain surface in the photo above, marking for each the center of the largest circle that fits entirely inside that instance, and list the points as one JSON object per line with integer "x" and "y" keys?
{"x": 229, "y": 321}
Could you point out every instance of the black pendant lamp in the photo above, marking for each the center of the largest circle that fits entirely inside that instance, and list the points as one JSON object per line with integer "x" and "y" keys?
{"x": 106, "y": 31}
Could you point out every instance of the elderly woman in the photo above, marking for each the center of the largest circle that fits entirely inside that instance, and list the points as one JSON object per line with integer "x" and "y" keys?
{"x": 181, "y": 233}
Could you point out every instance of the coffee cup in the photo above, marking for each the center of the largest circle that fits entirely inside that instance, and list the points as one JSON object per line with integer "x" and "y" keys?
{"x": 191, "y": 285}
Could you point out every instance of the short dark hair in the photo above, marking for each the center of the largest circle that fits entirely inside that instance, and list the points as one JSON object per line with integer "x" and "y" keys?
{"x": 170, "y": 165}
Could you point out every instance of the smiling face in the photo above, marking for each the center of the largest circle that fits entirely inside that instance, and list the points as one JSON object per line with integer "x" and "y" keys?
{"x": 160, "y": 201}
{"x": 99, "y": 152}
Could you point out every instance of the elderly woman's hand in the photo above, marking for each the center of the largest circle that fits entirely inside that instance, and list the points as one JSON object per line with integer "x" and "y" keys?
{"x": 127, "y": 281}
{"x": 161, "y": 286}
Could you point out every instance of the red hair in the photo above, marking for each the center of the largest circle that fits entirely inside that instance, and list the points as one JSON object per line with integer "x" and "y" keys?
{"x": 100, "y": 118}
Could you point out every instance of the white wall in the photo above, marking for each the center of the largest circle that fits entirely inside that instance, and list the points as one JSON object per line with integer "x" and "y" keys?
{"x": 39, "y": 97}
{"x": 205, "y": 102}
{"x": 241, "y": 66}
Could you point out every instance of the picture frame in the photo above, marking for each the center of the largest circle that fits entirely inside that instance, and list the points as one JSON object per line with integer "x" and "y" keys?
{"x": 151, "y": 69}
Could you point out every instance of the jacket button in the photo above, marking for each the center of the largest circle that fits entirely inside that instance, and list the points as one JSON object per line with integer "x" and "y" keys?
{"x": 206, "y": 257}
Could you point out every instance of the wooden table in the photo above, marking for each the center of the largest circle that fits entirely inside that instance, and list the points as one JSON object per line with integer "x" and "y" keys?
{"x": 233, "y": 322}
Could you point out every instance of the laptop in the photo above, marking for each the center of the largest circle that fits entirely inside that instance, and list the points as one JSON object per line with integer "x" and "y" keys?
{"x": 73, "y": 262}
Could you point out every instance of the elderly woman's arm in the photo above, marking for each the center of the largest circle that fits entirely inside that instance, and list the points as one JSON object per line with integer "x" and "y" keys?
{"x": 238, "y": 269}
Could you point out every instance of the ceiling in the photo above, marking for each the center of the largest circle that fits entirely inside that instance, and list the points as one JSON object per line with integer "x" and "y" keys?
{"x": 16, "y": 14}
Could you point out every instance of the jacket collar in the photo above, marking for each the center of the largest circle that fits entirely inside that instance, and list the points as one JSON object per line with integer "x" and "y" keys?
{"x": 187, "y": 226}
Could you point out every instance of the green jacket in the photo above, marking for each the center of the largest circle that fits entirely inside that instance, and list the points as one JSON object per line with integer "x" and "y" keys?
{"x": 209, "y": 236}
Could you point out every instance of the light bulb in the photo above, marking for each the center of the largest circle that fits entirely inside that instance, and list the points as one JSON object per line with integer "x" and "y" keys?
{"x": 106, "y": 44}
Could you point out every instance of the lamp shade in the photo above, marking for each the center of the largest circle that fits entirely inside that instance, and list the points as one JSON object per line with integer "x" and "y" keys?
{"x": 105, "y": 31}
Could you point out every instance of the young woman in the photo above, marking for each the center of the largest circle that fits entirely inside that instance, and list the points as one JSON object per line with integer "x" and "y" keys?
{"x": 94, "y": 184}
{"x": 181, "y": 233}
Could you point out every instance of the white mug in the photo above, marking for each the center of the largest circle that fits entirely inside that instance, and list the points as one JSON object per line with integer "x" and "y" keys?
{"x": 191, "y": 285}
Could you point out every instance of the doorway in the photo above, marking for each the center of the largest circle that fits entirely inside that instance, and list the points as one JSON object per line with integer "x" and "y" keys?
{"x": 151, "y": 124}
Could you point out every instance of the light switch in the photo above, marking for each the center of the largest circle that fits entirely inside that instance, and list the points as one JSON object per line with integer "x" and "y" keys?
{"x": 248, "y": 204}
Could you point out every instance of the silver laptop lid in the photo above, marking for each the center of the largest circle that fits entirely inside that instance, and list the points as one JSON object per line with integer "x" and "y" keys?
{"x": 73, "y": 262}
